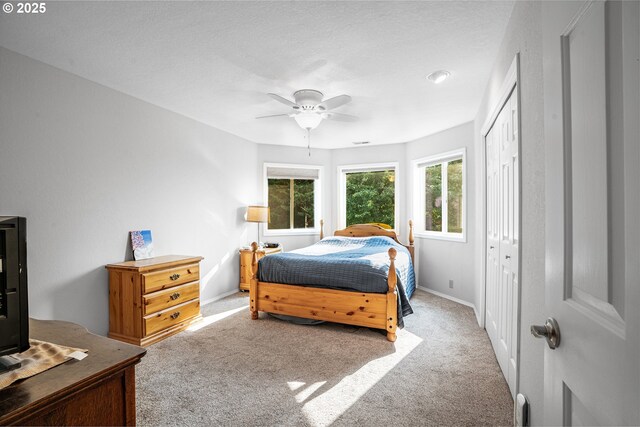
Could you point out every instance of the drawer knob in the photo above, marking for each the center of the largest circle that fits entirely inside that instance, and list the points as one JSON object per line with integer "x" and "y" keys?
{"x": 174, "y": 296}
{"x": 175, "y": 276}
{"x": 175, "y": 315}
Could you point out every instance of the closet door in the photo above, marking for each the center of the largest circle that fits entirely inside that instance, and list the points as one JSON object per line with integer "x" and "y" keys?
{"x": 502, "y": 291}
{"x": 509, "y": 222}
{"x": 493, "y": 247}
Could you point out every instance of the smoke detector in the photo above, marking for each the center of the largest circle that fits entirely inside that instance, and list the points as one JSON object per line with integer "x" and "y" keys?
{"x": 439, "y": 76}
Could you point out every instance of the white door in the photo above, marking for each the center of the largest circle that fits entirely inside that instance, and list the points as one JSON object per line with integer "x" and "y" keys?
{"x": 591, "y": 97}
{"x": 502, "y": 237}
{"x": 493, "y": 247}
{"x": 509, "y": 239}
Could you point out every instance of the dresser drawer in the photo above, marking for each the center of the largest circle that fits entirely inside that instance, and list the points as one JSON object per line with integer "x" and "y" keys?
{"x": 164, "y": 279}
{"x": 160, "y": 300}
{"x": 171, "y": 316}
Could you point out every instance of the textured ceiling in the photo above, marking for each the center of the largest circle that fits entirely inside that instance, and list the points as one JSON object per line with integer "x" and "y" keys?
{"x": 215, "y": 61}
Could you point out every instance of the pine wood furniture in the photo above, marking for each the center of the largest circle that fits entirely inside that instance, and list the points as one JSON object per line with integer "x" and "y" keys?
{"x": 246, "y": 256}
{"x": 353, "y": 308}
{"x": 152, "y": 299}
{"x": 98, "y": 390}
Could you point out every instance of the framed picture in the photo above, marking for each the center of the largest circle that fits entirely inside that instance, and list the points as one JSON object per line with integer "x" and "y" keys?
{"x": 142, "y": 244}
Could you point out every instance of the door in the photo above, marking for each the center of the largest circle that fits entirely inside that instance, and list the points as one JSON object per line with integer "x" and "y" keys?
{"x": 493, "y": 238}
{"x": 502, "y": 237}
{"x": 592, "y": 289}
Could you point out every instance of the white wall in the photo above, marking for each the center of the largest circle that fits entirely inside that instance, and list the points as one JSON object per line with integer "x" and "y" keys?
{"x": 439, "y": 260}
{"x": 86, "y": 164}
{"x": 523, "y": 35}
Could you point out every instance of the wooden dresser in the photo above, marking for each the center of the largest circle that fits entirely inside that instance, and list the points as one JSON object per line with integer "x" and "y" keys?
{"x": 98, "y": 390}
{"x": 154, "y": 298}
{"x": 245, "y": 264}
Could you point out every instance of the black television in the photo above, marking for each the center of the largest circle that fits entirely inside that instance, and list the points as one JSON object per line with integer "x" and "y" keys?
{"x": 14, "y": 312}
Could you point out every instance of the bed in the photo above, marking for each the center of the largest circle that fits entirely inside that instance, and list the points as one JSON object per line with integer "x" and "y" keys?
{"x": 362, "y": 276}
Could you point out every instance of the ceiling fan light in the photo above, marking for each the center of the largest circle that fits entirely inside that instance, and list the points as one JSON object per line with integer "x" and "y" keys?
{"x": 308, "y": 120}
{"x": 438, "y": 76}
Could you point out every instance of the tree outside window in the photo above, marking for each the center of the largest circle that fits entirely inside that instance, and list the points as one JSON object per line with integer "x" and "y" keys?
{"x": 454, "y": 196}
{"x": 439, "y": 195}
{"x": 293, "y": 194}
{"x": 368, "y": 194}
{"x": 291, "y": 202}
{"x": 433, "y": 198}
{"x": 370, "y": 197}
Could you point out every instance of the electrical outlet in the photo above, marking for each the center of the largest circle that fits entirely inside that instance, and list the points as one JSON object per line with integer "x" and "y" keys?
{"x": 451, "y": 284}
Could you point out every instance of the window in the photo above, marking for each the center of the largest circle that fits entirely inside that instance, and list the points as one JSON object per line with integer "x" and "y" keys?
{"x": 368, "y": 194}
{"x": 292, "y": 193}
{"x": 439, "y": 196}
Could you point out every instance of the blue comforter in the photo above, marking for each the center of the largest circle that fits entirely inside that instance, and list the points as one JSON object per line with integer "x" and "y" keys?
{"x": 358, "y": 264}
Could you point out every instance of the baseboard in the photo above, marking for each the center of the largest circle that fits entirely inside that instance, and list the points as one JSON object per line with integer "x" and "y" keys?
{"x": 478, "y": 318}
{"x": 449, "y": 297}
{"x": 218, "y": 297}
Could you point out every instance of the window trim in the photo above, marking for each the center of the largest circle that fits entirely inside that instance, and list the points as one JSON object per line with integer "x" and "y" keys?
{"x": 317, "y": 200}
{"x": 418, "y": 166}
{"x": 342, "y": 171}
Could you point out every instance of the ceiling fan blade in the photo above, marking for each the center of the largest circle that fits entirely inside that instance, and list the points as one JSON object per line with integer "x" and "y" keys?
{"x": 340, "y": 117}
{"x": 335, "y": 102}
{"x": 272, "y": 115}
{"x": 285, "y": 101}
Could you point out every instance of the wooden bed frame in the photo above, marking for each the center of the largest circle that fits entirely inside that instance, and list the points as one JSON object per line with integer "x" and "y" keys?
{"x": 353, "y": 308}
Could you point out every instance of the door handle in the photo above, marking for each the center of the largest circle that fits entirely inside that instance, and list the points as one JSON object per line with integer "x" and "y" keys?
{"x": 550, "y": 331}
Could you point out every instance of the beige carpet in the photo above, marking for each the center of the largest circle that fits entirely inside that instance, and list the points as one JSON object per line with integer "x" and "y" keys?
{"x": 235, "y": 371}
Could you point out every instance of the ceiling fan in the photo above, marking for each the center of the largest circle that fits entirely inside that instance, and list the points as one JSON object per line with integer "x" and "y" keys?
{"x": 309, "y": 109}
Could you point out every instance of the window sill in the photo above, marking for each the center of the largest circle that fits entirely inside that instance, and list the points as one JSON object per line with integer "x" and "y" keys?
{"x": 442, "y": 236}
{"x": 305, "y": 232}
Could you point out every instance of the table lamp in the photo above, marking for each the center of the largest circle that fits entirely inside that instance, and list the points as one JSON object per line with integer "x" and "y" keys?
{"x": 258, "y": 214}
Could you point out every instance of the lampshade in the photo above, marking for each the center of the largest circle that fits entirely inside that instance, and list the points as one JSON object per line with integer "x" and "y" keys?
{"x": 258, "y": 214}
{"x": 308, "y": 120}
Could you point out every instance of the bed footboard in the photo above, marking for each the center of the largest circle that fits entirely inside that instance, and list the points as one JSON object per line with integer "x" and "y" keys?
{"x": 392, "y": 297}
{"x": 253, "y": 285}
{"x": 354, "y": 308}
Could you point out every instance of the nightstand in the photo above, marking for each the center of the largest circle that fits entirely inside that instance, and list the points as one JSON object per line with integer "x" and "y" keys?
{"x": 245, "y": 264}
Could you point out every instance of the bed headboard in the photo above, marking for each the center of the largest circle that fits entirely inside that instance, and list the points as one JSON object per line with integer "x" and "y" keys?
{"x": 366, "y": 230}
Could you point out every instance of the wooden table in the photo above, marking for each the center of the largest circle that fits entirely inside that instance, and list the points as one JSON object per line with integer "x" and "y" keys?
{"x": 99, "y": 390}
